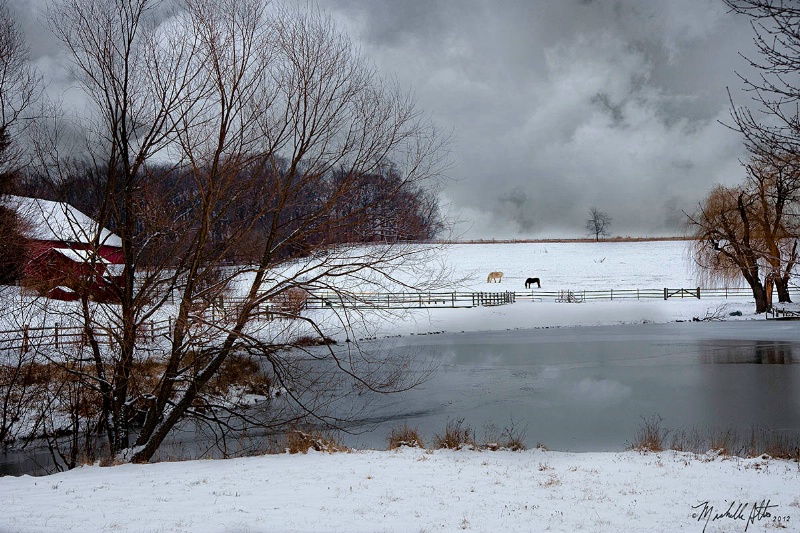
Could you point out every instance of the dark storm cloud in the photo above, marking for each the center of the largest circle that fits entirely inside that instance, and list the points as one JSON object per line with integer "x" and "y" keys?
{"x": 555, "y": 106}
{"x": 559, "y": 106}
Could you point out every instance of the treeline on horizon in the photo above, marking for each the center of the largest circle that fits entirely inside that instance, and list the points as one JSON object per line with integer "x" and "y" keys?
{"x": 376, "y": 207}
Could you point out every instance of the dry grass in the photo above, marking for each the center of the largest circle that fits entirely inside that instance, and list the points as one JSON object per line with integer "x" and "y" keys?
{"x": 404, "y": 436}
{"x": 551, "y": 481}
{"x": 244, "y": 372}
{"x": 456, "y": 436}
{"x": 687, "y": 441}
{"x": 724, "y": 442}
{"x": 300, "y": 442}
{"x": 509, "y": 438}
{"x": 650, "y": 435}
{"x": 307, "y": 340}
{"x": 777, "y": 444}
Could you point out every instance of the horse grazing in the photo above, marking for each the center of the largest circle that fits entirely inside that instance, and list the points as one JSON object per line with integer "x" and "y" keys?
{"x": 530, "y": 281}
{"x": 497, "y": 277}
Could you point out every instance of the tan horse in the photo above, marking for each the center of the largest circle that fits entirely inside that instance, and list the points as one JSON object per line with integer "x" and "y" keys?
{"x": 497, "y": 277}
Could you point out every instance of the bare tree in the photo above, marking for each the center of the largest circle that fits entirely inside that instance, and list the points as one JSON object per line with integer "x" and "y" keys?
{"x": 757, "y": 224}
{"x": 775, "y": 186}
{"x": 775, "y": 90}
{"x": 271, "y": 120}
{"x": 598, "y": 223}
{"x": 20, "y": 86}
{"x": 725, "y": 240}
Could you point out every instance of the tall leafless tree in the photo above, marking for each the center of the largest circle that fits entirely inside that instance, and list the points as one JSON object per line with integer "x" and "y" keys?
{"x": 272, "y": 119}
{"x": 758, "y": 232}
{"x": 20, "y": 87}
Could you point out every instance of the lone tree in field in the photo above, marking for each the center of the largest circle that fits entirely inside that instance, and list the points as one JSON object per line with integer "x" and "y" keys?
{"x": 272, "y": 122}
{"x": 598, "y": 223}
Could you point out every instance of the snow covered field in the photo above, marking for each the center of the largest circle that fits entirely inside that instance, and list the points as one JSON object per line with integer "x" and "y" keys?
{"x": 575, "y": 266}
{"x": 414, "y": 491}
{"x": 417, "y": 490}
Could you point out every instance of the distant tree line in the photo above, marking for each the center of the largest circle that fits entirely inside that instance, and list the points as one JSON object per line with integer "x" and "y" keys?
{"x": 374, "y": 207}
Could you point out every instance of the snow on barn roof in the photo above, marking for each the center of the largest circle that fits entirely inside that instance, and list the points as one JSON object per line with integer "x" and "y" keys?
{"x": 80, "y": 256}
{"x": 59, "y": 221}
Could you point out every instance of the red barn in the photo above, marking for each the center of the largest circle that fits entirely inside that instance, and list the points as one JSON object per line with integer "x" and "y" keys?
{"x": 68, "y": 253}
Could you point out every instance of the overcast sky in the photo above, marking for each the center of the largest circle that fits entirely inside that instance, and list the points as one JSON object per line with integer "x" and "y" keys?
{"x": 556, "y": 106}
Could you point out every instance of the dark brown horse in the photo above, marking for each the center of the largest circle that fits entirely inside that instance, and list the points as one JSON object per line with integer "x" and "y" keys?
{"x": 530, "y": 281}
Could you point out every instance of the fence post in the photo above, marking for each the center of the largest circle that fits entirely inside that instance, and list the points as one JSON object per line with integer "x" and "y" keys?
{"x": 612, "y": 295}
{"x": 55, "y": 334}
{"x": 698, "y": 293}
{"x": 25, "y": 339}
{"x": 665, "y": 293}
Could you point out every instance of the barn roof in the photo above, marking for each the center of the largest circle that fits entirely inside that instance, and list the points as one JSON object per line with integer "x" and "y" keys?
{"x": 58, "y": 221}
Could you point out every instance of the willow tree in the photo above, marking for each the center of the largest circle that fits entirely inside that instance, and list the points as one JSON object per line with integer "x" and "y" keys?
{"x": 751, "y": 231}
{"x": 774, "y": 184}
{"x": 271, "y": 119}
{"x": 722, "y": 245}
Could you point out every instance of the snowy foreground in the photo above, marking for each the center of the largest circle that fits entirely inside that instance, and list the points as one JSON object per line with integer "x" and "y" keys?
{"x": 414, "y": 490}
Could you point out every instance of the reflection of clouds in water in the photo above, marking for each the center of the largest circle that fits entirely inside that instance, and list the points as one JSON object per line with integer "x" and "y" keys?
{"x": 601, "y": 390}
{"x": 550, "y": 374}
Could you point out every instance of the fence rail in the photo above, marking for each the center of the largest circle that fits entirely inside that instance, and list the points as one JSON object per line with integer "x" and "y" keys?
{"x": 58, "y": 336}
{"x": 637, "y": 294}
{"x": 407, "y": 300}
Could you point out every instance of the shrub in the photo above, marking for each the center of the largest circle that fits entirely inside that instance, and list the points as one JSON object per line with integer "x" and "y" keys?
{"x": 404, "y": 436}
{"x": 300, "y": 442}
{"x": 650, "y": 435}
{"x": 456, "y": 436}
{"x": 687, "y": 441}
{"x": 723, "y": 442}
{"x": 510, "y": 438}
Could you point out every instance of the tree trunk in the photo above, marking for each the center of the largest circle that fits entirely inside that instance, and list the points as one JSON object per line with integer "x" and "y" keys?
{"x": 782, "y": 285}
{"x": 760, "y": 295}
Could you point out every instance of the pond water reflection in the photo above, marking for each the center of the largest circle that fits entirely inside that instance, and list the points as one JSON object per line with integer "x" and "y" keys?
{"x": 588, "y": 388}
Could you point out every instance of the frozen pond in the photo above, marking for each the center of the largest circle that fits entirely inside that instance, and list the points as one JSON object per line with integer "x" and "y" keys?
{"x": 588, "y": 388}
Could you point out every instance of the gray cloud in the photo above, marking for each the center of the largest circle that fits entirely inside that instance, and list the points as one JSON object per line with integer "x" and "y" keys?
{"x": 555, "y": 106}
{"x": 558, "y": 106}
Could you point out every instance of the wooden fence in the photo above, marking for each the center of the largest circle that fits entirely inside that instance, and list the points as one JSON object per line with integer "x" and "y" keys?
{"x": 407, "y": 300}
{"x": 58, "y": 336}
